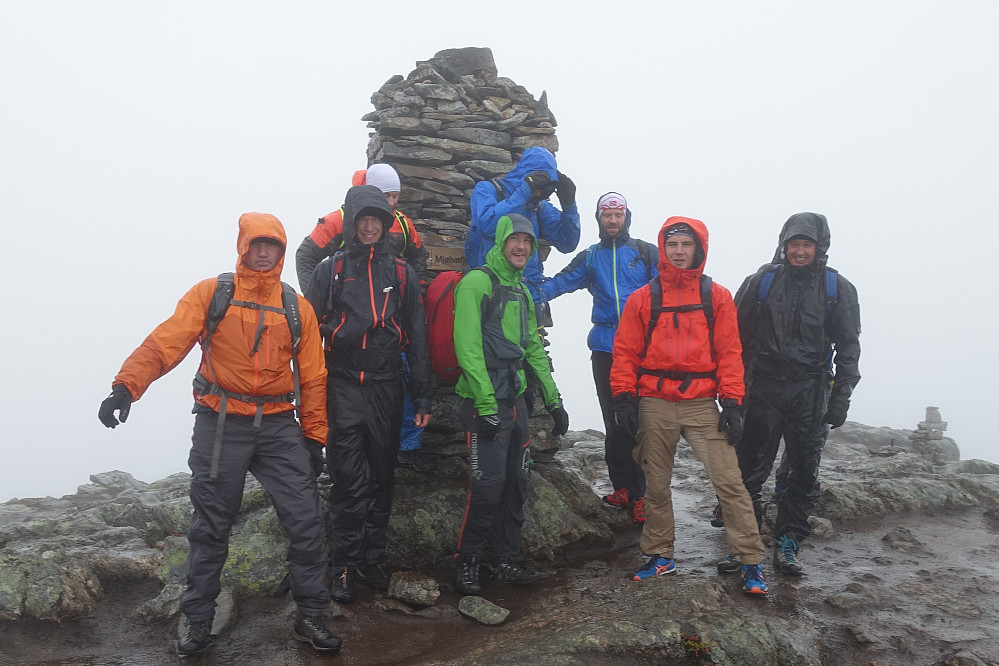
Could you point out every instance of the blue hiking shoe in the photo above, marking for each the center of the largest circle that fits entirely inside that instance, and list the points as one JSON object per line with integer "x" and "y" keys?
{"x": 656, "y": 566}
{"x": 786, "y": 556}
{"x": 753, "y": 581}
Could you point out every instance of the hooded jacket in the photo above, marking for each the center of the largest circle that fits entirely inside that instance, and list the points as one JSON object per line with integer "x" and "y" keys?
{"x": 373, "y": 317}
{"x": 492, "y": 351}
{"x": 233, "y": 365}
{"x": 611, "y": 270}
{"x": 792, "y": 333}
{"x": 560, "y": 228}
{"x": 681, "y": 341}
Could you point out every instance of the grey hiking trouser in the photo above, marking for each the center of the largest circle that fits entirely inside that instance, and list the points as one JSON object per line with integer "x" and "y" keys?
{"x": 275, "y": 454}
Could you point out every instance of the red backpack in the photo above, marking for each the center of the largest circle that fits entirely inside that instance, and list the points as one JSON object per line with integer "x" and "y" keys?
{"x": 440, "y": 321}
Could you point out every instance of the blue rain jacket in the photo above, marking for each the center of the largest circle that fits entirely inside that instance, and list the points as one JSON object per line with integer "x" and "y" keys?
{"x": 560, "y": 228}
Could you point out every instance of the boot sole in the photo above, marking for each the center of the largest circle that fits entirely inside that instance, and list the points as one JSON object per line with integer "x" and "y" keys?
{"x": 304, "y": 639}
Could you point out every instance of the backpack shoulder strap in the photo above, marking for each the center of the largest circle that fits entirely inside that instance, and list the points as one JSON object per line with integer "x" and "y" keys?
{"x": 591, "y": 252}
{"x": 335, "y": 272}
{"x": 709, "y": 309}
{"x": 766, "y": 282}
{"x": 289, "y": 299}
{"x": 400, "y": 276}
{"x": 655, "y": 309}
{"x": 500, "y": 192}
{"x": 645, "y": 251}
{"x": 832, "y": 289}
{"x": 219, "y": 305}
{"x": 491, "y": 300}
{"x": 404, "y": 226}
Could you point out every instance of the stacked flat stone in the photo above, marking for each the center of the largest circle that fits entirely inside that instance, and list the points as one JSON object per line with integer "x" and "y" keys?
{"x": 448, "y": 125}
{"x": 929, "y": 433}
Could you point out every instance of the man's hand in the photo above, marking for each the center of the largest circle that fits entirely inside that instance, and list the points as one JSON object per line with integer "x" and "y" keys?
{"x": 121, "y": 400}
{"x": 421, "y": 420}
{"x": 626, "y": 413}
{"x": 487, "y": 427}
{"x": 566, "y": 190}
{"x": 315, "y": 450}
{"x": 835, "y": 417}
{"x": 561, "y": 420}
{"x": 731, "y": 418}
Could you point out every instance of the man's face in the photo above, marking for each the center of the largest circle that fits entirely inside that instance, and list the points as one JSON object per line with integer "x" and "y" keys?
{"x": 369, "y": 229}
{"x": 517, "y": 249}
{"x": 263, "y": 255}
{"x": 680, "y": 250}
{"x": 392, "y": 198}
{"x": 800, "y": 251}
{"x": 612, "y": 222}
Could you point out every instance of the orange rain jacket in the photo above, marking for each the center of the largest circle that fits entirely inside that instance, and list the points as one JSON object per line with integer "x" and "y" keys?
{"x": 680, "y": 343}
{"x": 268, "y": 372}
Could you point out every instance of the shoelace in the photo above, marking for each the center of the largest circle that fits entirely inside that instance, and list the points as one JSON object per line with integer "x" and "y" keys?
{"x": 788, "y": 548}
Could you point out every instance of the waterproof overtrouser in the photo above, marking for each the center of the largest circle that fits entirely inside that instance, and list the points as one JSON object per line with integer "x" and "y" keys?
{"x": 661, "y": 424}
{"x": 793, "y": 410}
{"x": 619, "y": 446}
{"x": 275, "y": 454}
{"x": 365, "y": 421}
{"x": 497, "y": 482}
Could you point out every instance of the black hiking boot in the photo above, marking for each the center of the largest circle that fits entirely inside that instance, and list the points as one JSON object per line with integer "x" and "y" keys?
{"x": 786, "y": 556}
{"x": 509, "y": 571}
{"x": 373, "y": 576}
{"x": 342, "y": 588}
{"x": 418, "y": 460}
{"x": 196, "y": 639}
{"x": 717, "y": 517}
{"x": 466, "y": 570}
{"x": 313, "y": 630}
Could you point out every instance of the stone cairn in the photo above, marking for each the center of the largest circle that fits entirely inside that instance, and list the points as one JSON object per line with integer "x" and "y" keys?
{"x": 928, "y": 434}
{"x": 448, "y": 125}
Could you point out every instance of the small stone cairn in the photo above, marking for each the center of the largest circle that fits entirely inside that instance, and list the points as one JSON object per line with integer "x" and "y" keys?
{"x": 929, "y": 433}
{"x": 448, "y": 125}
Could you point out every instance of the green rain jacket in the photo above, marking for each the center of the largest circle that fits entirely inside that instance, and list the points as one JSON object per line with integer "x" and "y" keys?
{"x": 492, "y": 353}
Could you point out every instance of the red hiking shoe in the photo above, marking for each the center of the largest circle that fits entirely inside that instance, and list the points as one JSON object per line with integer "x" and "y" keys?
{"x": 638, "y": 510}
{"x": 617, "y": 499}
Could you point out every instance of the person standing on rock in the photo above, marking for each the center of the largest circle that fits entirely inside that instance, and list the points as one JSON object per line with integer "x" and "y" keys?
{"x": 677, "y": 350}
{"x": 246, "y": 390}
{"x": 327, "y": 238}
{"x": 495, "y": 338}
{"x": 611, "y": 270}
{"x": 800, "y": 325}
{"x": 371, "y": 312}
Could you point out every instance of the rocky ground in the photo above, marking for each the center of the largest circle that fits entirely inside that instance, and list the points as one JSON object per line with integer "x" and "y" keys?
{"x": 902, "y": 570}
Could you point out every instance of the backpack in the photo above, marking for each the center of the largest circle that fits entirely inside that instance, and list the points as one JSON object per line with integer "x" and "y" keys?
{"x": 217, "y": 308}
{"x": 706, "y": 305}
{"x": 440, "y": 321}
{"x": 644, "y": 252}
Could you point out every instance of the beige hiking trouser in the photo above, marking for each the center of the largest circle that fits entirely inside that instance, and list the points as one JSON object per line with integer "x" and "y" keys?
{"x": 661, "y": 423}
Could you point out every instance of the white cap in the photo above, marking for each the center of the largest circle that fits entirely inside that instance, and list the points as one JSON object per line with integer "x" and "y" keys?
{"x": 384, "y": 177}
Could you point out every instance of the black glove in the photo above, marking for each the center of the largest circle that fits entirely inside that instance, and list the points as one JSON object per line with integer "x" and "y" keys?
{"x": 731, "y": 418}
{"x": 626, "y": 413}
{"x": 487, "y": 427}
{"x": 540, "y": 181}
{"x": 315, "y": 450}
{"x": 565, "y": 189}
{"x": 835, "y": 416}
{"x": 561, "y": 420}
{"x": 119, "y": 399}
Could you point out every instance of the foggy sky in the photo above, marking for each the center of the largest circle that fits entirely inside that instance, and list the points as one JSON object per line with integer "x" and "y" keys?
{"x": 135, "y": 134}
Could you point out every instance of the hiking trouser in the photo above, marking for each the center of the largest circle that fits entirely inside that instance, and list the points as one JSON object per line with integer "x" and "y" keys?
{"x": 275, "y": 454}
{"x": 661, "y": 424}
{"x": 497, "y": 482}
{"x": 365, "y": 421}
{"x": 793, "y": 410}
{"x": 619, "y": 446}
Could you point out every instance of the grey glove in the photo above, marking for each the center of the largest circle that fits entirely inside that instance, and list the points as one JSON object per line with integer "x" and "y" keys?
{"x": 121, "y": 400}
{"x": 561, "y": 420}
{"x": 565, "y": 189}
{"x": 731, "y": 418}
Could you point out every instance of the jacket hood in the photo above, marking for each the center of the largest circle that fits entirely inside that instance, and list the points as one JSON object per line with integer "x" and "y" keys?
{"x": 534, "y": 158}
{"x": 505, "y": 226}
{"x": 670, "y": 273}
{"x": 251, "y": 227}
{"x": 810, "y": 225}
{"x": 365, "y": 200}
{"x": 625, "y": 233}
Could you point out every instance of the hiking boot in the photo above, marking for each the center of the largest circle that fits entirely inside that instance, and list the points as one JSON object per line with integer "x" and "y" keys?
{"x": 617, "y": 499}
{"x": 196, "y": 639}
{"x": 466, "y": 574}
{"x": 730, "y": 564}
{"x": 656, "y": 566}
{"x": 753, "y": 581}
{"x": 638, "y": 510}
{"x": 717, "y": 519}
{"x": 311, "y": 629}
{"x": 511, "y": 572}
{"x": 786, "y": 556}
{"x": 342, "y": 587}
{"x": 418, "y": 460}
{"x": 374, "y": 576}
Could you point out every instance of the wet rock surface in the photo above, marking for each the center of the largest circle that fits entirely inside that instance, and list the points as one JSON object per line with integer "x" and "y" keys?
{"x": 904, "y": 574}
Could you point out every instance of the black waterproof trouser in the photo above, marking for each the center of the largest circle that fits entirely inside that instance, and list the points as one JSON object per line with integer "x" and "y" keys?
{"x": 497, "y": 482}
{"x": 275, "y": 454}
{"x": 619, "y": 446}
{"x": 365, "y": 425}
{"x": 794, "y": 410}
